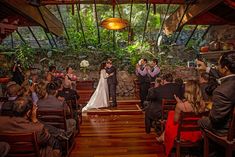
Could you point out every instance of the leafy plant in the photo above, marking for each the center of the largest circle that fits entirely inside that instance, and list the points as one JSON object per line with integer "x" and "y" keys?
{"x": 25, "y": 54}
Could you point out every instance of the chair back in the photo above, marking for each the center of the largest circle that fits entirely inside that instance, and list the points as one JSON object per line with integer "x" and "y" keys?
{"x": 231, "y": 131}
{"x": 72, "y": 103}
{"x": 22, "y": 144}
{"x": 56, "y": 118}
{"x": 167, "y": 105}
{"x": 188, "y": 122}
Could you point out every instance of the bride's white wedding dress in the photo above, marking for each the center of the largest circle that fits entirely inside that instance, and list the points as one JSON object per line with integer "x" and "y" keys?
{"x": 100, "y": 96}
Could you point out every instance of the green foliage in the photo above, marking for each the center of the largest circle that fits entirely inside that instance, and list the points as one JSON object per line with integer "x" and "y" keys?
{"x": 25, "y": 55}
{"x": 126, "y": 54}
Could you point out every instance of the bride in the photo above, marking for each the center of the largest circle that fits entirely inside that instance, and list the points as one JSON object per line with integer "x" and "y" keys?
{"x": 100, "y": 97}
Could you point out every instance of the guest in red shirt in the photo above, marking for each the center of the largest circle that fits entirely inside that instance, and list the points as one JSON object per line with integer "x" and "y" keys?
{"x": 193, "y": 103}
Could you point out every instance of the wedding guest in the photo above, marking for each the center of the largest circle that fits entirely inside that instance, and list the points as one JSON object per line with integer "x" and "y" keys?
{"x": 40, "y": 89}
{"x": 24, "y": 119}
{"x": 58, "y": 82}
{"x": 51, "y": 102}
{"x": 13, "y": 92}
{"x": 155, "y": 96}
{"x": 193, "y": 103}
{"x": 67, "y": 93}
{"x": 203, "y": 80}
{"x": 158, "y": 82}
{"x": 69, "y": 78}
{"x": 17, "y": 71}
{"x": 154, "y": 71}
{"x": 144, "y": 80}
{"x": 70, "y": 95}
{"x": 214, "y": 74}
{"x": 50, "y": 74}
{"x": 223, "y": 100}
{"x": 180, "y": 82}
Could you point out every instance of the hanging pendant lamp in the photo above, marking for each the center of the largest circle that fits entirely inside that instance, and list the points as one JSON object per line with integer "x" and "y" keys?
{"x": 114, "y": 23}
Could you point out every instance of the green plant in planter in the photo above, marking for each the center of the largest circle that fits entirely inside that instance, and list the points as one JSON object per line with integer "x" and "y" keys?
{"x": 25, "y": 54}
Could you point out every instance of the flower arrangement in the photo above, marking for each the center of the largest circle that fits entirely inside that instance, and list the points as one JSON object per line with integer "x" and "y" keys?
{"x": 83, "y": 66}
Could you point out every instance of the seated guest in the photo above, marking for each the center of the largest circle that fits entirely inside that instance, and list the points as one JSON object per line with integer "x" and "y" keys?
{"x": 51, "y": 102}
{"x": 40, "y": 89}
{"x": 203, "y": 80}
{"x": 223, "y": 98}
{"x": 13, "y": 91}
{"x": 214, "y": 74}
{"x": 158, "y": 82}
{"x": 179, "y": 81}
{"x": 24, "y": 120}
{"x": 193, "y": 103}
{"x": 59, "y": 85}
{"x": 67, "y": 93}
{"x": 155, "y": 96}
{"x": 50, "y": 74}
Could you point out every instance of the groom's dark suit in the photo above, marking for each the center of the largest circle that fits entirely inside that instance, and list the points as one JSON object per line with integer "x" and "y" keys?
{"x": 112, "y": 83}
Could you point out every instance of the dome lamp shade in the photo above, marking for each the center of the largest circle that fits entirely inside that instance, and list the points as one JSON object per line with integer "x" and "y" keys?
{"x": 114, "y": 23}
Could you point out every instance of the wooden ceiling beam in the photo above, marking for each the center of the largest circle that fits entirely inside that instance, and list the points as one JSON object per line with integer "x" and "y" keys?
{"x": 31, "y": 12}
{"x": 110, "y": 2}
{"x": 194, "y": 10}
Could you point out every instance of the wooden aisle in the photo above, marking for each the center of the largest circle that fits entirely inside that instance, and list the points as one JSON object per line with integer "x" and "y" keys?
{"x": 115, "y": 136}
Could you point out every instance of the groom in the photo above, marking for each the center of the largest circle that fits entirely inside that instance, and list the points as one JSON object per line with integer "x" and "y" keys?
{"x": 112, "y": 82}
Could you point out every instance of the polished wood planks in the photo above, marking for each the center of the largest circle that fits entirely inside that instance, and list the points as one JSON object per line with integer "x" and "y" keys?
{"x": 127, "y": 106}
{"x": 115, "y": 136}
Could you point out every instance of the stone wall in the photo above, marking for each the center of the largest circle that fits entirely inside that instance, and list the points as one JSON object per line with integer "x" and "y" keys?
{"x": 224, "y": 33}
{"x": 126, "y": 87}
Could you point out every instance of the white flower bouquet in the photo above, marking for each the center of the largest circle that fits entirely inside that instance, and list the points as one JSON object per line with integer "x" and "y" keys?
{"x": 84, "y": 64}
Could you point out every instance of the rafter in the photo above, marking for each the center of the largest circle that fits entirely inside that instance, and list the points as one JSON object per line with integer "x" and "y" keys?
{"x": 31, "y": 12}
{"x": 110, "y": 2}
{"x": 195, "y": 10}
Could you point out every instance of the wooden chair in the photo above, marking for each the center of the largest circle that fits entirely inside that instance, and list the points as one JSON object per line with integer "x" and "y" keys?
{"x": 57, "y": 118}
{"x": 188, "y": 123}
{"x": 76, "y": 113}
{"x": 167, "y": 105}
{"x": 22, "y": 145}
{"x": 74, "y": 106}
{"x": 228, "y": 142}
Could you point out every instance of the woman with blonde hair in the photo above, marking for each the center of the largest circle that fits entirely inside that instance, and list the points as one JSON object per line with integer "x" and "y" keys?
{"x": 193, "y": 102}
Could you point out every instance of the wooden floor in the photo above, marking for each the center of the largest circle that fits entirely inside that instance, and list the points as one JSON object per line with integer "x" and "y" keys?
{"x": 115, "y": 136}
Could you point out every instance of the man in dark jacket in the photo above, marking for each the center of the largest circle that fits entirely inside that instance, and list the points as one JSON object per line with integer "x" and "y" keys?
{"x": 112, "y": 81}
{"x": 223, "y": 100}
{"x": 155, "y": 96}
